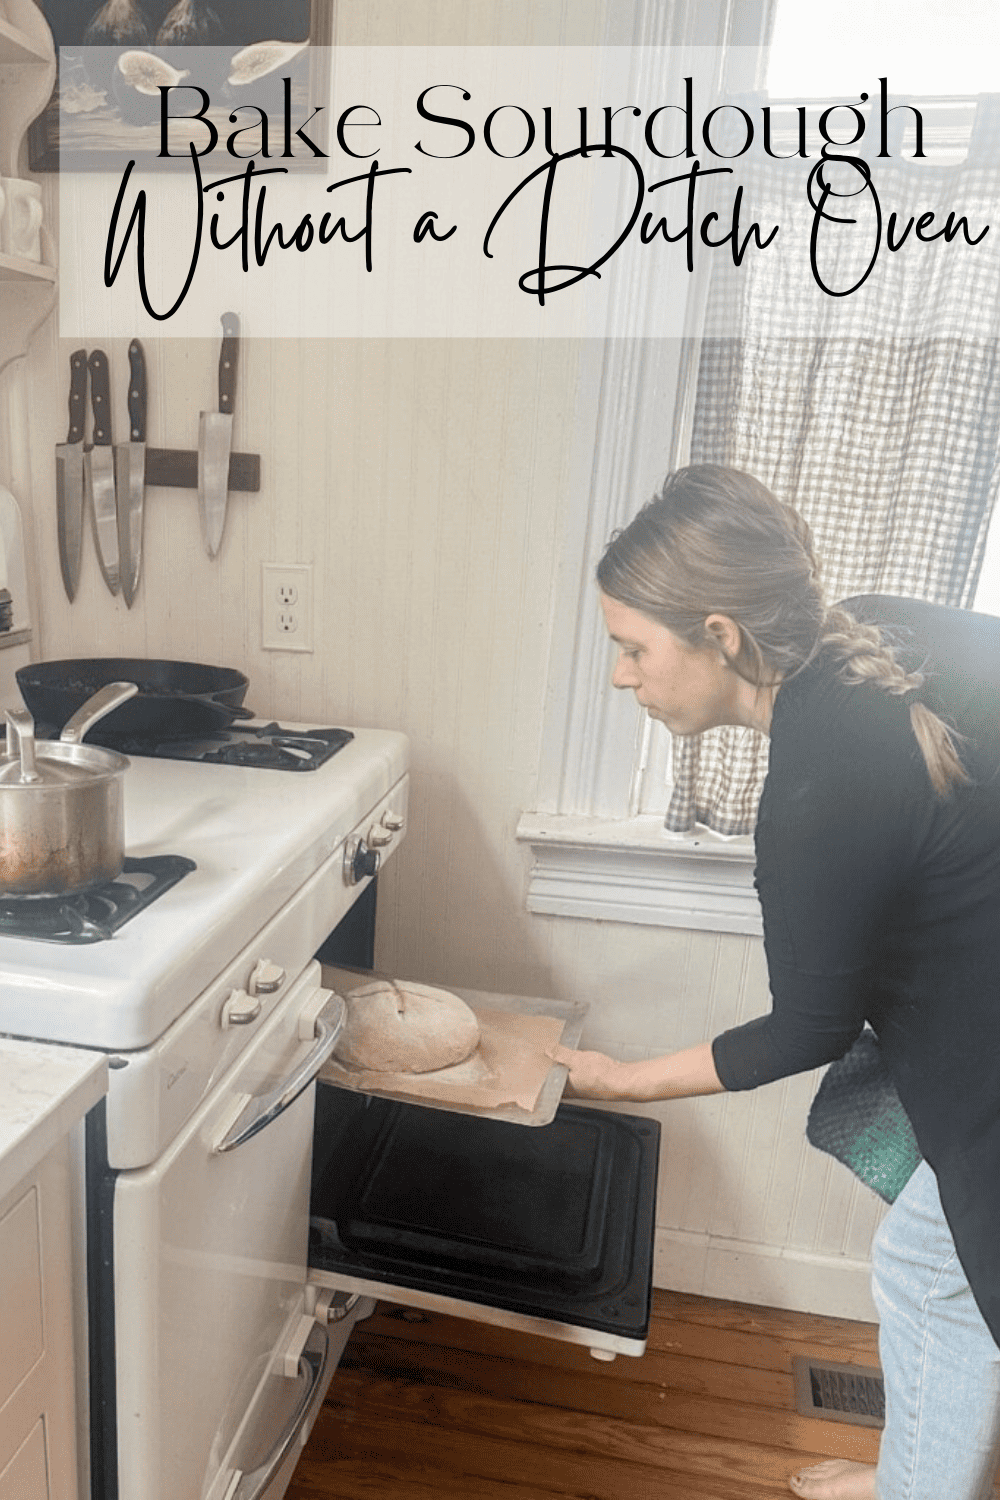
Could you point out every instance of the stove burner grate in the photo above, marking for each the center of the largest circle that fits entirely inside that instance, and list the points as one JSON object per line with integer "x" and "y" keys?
{"x": 271, "y": 747}
{"x": 93, "y": 916}
{"x": 268, "y": 746}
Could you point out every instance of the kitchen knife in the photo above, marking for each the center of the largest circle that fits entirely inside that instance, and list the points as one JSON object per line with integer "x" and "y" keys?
{"x": 130, "y": 475}
{"x": 100, "y": 471}
{"x": 69, "y": 477}
{"x": 215, "y": 435}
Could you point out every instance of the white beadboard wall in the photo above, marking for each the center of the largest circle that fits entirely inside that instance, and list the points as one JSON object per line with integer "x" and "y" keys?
{"x": 428, "y": 483}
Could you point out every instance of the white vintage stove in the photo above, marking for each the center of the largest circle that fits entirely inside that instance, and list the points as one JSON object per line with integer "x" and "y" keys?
{"x": 206, "y": 1363}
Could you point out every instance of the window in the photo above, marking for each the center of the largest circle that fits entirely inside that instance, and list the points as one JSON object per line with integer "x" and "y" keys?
{"x": 597, "y": 835}
{"x": 946, "y": 53}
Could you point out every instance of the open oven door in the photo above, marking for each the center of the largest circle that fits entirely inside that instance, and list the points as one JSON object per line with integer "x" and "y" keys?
{"x": 546, "y": 1230}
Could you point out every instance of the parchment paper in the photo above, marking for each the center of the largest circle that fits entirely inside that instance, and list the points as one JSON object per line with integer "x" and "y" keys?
{"x": 508, "y": 1076}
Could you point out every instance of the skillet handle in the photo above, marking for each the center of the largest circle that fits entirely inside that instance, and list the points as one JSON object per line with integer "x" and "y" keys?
{"x": 95, "y": 708}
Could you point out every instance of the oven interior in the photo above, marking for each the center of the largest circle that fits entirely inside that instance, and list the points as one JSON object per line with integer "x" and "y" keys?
{"x": 554, "y": 1223}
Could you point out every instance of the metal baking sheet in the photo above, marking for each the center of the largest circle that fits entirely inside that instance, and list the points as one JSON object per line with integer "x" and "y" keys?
{"x": 571, "y": 1012}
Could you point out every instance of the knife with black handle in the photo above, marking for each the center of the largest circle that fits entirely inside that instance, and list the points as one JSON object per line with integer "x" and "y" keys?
{"x": 69, "y": 477}
{"x": 215, "y": 437}
{"x": 100, "y": 470}
{"x": 130, "y": 476}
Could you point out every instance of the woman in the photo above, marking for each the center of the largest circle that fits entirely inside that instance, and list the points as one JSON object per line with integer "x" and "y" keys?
{"x": 878, "y": 872}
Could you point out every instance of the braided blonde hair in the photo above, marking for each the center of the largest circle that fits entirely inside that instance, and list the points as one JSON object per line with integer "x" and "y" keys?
{"x": 715, "y": 540}
{"x": 865, "y": 658}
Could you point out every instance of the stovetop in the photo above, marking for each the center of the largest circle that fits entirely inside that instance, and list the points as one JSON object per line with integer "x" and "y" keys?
{"x": 255, "y": 836}
{"x": 268, "y": 746}
{"x": 94, "y": 915}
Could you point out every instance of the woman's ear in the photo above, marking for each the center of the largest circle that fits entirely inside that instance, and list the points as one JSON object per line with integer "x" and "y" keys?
{"x": 726, "y": 634}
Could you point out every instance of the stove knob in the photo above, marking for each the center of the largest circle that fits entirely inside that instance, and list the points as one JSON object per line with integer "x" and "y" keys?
{"x": 266, "y": 978}
{"x": 360, "y": 861}
{"x": 239, "y": 1010}
{"x": 393, "y": 821}
{"x": 379, "y": 836}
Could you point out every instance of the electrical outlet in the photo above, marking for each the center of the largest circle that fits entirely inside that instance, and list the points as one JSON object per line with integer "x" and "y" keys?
{"x": 286, "y": 607}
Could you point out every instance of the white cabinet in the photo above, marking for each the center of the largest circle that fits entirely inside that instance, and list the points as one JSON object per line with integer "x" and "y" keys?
{"x": 44, "y": 1092}
{"x": 37, "y": 1389}
{"x": 26, "y": 1477}
{"x": 27, "y": 75}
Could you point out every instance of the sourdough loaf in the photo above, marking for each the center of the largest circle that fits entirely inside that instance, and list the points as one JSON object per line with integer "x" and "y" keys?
{"x": 393, "y": 1027}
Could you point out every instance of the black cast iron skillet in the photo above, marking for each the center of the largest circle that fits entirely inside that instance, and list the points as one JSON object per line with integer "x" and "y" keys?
{"x": 175, "y": 698}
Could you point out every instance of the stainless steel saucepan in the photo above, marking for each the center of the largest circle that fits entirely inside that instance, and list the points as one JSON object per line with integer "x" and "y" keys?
{"x": 62, "y": 822}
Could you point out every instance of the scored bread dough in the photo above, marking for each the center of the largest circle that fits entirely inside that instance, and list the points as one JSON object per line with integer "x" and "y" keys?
{"x": 394, "y": 1027}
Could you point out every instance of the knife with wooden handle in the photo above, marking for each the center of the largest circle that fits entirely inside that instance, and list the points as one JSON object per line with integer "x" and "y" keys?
{"x": 100, "y": 470}
{"x": 215, "y": 437}
{"x": 69, "y": 477}
{"x": 130, "y": 475}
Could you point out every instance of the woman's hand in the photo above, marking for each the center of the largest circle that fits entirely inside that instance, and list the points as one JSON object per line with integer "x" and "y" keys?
{"x": 679, "y": 1075}
{"x": 592, "y": 1075}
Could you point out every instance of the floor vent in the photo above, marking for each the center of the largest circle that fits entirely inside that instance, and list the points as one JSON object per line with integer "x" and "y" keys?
{"x": 839, "y": 1393}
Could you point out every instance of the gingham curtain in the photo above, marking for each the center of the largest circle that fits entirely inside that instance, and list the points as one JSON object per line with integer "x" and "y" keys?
{"x": 886, "y": 442}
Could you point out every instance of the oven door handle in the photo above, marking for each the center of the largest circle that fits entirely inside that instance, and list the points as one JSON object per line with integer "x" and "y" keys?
{"x": 312, "y": 1367}
{"x": 261, "y": 1111}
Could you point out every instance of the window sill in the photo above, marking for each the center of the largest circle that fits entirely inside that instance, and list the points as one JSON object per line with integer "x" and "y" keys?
{"x": 631, "y": 870}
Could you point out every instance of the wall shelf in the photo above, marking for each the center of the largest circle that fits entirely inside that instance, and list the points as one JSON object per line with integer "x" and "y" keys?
{"x": 25, "y": 302}
{"x": 13, "y": 268}
{"x": 17, "y": 47}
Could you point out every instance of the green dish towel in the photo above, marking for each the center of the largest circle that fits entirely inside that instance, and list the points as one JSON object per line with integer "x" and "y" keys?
{"x": 857, "y": 1117}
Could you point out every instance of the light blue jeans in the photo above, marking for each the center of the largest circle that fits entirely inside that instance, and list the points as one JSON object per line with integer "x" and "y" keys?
{"x": 940, "y": 1364}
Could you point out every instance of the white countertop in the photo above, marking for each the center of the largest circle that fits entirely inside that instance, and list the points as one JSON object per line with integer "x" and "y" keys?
{"x": 44, "y": 1091}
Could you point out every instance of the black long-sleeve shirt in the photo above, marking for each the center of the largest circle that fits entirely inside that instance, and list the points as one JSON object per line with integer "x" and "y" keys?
{"x": 881, "y": 903}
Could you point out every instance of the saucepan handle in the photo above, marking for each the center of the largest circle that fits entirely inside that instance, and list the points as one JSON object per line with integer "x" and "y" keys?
{"x": 264, "y": 1109}
{"x": 21, "y": 742}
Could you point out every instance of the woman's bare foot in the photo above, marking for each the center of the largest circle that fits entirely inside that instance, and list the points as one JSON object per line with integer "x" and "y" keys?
{"x": 836, "y": 1479}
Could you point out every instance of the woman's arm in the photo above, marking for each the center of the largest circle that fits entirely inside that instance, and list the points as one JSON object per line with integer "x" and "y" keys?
{"x": 678, "y": 1075}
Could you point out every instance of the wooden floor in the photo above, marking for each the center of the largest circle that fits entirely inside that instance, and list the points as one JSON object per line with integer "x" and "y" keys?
{"x": 425, "y": 1407}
